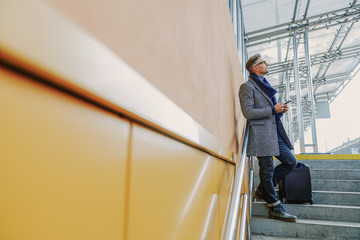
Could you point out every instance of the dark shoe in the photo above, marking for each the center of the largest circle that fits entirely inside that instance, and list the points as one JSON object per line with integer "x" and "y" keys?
{"x": 278, "y": 212}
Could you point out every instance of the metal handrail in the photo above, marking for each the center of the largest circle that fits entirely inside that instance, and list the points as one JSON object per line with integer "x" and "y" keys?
{"x": 235, "y": 201}
{"x": 251, "y": 184}
{"x": 243, "y": 223}
{"x": 251, "y": 190}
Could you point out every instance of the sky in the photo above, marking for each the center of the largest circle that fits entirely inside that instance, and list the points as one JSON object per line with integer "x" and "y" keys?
{"x": 344, "y": 123}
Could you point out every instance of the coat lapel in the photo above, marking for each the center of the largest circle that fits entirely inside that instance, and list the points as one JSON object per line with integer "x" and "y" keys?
{"x": 260, "y": 90}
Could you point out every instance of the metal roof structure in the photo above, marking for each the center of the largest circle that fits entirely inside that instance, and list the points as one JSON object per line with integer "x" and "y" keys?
{"x": 350, "y": 147}
{"x": 326, "y": 37}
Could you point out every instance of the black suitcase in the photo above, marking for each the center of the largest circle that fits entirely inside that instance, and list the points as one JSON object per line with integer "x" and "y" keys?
{"x": 296, "y": 185}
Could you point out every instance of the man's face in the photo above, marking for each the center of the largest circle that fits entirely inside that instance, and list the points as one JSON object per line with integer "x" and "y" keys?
{"x": 261, "y": 67}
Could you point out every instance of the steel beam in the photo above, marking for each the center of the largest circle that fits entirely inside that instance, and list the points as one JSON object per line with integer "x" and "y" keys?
{"x": 289, "y": 113}
{"x": 320, "y": 58}
{"x": 321, "y": 16}
{"x": 310, "y": 91}
{"x": 306, "y": 9}
{"x": 342, "y": 52}
{"x": 325, "y": 20}
{"x": 242, "y": 46}
{"x": 295, "y": 10}
{"x": 298, "y": 97}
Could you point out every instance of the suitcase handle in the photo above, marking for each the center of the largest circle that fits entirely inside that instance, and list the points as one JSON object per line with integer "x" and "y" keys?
{"x": 301, "y": 165}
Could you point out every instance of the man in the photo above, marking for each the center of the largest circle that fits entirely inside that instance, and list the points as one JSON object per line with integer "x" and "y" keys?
{"x": 267, "y": 136}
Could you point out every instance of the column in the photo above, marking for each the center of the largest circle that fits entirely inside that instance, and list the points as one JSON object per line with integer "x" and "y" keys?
{"x": 298, "y": 96}
{"x": 310, "y": 89}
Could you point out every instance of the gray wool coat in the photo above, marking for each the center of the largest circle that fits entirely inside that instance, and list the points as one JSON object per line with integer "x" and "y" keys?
{"x": 256, "y": 107}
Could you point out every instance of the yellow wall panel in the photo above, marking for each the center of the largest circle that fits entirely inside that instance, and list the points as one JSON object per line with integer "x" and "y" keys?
{"x": 174, "y": 190}
{"x": 226, "y": 179}
{"x": 62, "y": 165}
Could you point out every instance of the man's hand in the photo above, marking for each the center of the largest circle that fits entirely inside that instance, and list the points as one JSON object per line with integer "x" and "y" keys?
{"x": 281, "y": 107}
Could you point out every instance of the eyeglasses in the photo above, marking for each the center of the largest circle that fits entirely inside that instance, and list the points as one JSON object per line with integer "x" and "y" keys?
{"x": 261, "y": 63}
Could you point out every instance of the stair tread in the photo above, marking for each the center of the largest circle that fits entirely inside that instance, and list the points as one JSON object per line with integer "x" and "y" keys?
{"x": 315, "y": 205}
{"x": 316, "y": 222}
{"x": 324, "y": 191}
{"x": 336, "y": 180}
{"x": 335, "y": 206}
{"x": 264, "y": 237}
{"x": 330, "y": 180}
{"x": 315, "y": 211}
{"x": 336, "y": 169}
{"x": 327, "y": 191}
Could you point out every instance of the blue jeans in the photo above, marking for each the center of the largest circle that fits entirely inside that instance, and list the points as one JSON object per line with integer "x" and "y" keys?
{"x": 270, "y": 177}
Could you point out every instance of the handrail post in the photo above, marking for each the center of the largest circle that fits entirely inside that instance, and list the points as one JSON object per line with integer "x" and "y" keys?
{"x": 235, "y": 200}
{"x": 251, "y": 182}
{"x": 243, "y": 223}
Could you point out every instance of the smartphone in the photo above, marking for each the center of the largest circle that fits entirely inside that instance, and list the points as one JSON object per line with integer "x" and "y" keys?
{"x": 288, "y": 101}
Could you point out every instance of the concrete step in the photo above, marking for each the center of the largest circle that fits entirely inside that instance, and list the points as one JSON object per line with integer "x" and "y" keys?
{"x": 315, "y": 211}
{"x": 339, "y": 174}
{"x": 336, "y": 198}
{"x": 331, "y": 164}
{"x": 330, "y": 185}
{"x": 263, "y": 237}
{"x": 322, "y": 164}
{"x": 335, "y": 185}
{"x": 305, "y": 228}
